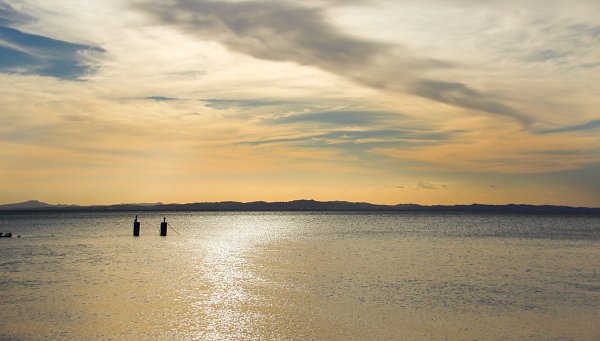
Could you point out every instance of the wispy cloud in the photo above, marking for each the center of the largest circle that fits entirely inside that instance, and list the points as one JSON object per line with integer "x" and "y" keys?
{"x": 430, "y": 185}
{"x": 162, "y": 98}
{"x": 220, "y": 103}
{"x": 346, "y": 139}
{"x": 344, "y": 118}
{"x": 282, "y": 31}
{"x": 591, "y": 125}
{"x": 545, "y": 55}
{"x": 461, "y": 95}
{"x": 276, "y": 31}
{"x": 9, "y": 16}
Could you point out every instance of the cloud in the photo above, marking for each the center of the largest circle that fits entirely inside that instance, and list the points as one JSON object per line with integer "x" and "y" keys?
{"x": 9, "y": 16}
{"x": 430, "y": 186}
{"x": 591, "y": 125}
{"x": 220, "y": 104}
{"x": 284, "y": 31}
{"x": 359, "y": 140}
{"x": 76, "y": 118}
{"x": 275, "y": 31}
{"x": 348, "y": 118}
{"x": 587, "y": 30}
{"x": 24, "y": 53}
{"x": 162, "y": 98}
{"x": 545, "y": 55}
{"x": 463, "y": 96}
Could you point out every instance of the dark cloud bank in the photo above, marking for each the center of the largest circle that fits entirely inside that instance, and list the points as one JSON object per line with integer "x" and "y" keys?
{"x": 284, "y": 31}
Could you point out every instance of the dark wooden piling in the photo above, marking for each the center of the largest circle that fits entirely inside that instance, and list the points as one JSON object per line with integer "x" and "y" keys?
{"x": 163, "y": 227}
{"x": 136, "y": 227}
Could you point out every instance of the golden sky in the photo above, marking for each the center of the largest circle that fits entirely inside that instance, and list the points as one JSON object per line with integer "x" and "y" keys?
{"x": 430, "y": 102}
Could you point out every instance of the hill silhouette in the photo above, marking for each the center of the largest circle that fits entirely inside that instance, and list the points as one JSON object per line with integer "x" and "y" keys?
{"x": 299, "y": 205}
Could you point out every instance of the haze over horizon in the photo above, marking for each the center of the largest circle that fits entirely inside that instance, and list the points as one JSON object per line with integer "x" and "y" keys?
{"x": 436, "y": 102}
{"x": 306, "y": 205}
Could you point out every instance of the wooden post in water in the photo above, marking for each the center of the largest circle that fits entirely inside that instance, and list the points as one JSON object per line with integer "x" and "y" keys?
{"x": 163, "y": 227}
{"x": 136, "y": 227}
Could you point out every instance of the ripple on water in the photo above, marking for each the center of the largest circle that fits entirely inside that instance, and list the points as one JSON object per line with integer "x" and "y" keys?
{"x": 301, "y": 276}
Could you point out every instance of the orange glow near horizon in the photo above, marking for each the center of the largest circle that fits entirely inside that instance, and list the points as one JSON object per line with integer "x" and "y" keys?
{"x": 359, "y": 102}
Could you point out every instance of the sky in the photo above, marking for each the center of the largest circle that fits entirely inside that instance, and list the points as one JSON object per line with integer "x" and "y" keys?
{"x": 176, "y": 101}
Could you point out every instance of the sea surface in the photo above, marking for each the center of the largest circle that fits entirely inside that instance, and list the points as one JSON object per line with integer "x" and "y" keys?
{"x": 300, "y": 276}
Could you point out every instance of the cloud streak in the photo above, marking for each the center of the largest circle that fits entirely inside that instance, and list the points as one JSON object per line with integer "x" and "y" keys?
{"x": 348, "y": 118}
{"x": 459, "y": 94}
{"x": 9, "y": 16}
{"x": 162, "y": 98}
{"x": 274, "y": 31}
{"x": 430, "y": 186}
{"x": 346, "y": 139}
{"x": 591, "y": 125}
{"x": 282, "y": 31}
{"x": 221, "y": 104}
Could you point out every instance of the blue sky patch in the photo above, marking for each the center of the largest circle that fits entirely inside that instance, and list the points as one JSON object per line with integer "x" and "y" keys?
{"x": 30, "y": 54}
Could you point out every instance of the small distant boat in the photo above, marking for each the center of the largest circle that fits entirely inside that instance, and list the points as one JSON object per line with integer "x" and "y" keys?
{"x": 5, "y": 235}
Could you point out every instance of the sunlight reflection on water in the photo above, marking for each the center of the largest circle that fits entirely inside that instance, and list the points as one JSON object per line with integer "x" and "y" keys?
{"x": 225, "y": 269}
{"x": 300, "y": 276}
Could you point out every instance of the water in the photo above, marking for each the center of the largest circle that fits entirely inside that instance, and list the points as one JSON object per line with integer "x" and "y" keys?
{"x": 275, "y": 276}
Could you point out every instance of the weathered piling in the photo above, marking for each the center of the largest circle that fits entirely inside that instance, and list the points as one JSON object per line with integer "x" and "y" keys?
{"x": 163, "y": 227}
{"x": 136, "y": 227}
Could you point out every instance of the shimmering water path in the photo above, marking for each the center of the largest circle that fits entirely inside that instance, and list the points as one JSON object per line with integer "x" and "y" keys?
{"x": 273, "y": 276}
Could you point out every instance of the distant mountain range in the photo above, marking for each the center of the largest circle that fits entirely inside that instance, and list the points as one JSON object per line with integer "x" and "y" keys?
{"x": 298, "y": 205}
{"x": 33, "y": 205}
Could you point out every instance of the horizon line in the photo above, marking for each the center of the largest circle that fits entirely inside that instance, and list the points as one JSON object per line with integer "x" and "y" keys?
{"x": 155, "y": 204}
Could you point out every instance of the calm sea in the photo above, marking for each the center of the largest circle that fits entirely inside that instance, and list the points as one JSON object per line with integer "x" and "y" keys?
{"x": 300, "y": 276}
